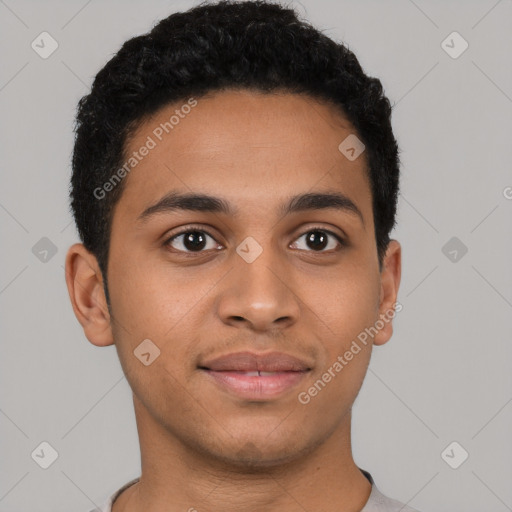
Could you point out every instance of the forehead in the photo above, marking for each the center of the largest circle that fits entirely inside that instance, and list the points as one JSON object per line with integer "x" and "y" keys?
{"x": 251, "y": 147}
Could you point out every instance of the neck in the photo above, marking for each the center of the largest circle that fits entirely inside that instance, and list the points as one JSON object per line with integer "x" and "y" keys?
{"x": 176, "y": 477}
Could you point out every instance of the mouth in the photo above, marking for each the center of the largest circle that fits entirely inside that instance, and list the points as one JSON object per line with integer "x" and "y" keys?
{"x": 256, "y": 377}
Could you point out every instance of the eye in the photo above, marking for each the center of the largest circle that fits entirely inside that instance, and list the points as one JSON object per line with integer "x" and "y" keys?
{"x": 192, "y": 240}
{"x": 320, "y": 240}
{"x": 198, "y": 240}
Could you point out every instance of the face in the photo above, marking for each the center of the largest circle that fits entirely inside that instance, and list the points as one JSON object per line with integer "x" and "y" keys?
{"x": 253, "y": 272}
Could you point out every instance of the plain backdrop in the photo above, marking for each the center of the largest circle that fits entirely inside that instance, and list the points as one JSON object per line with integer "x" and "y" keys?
{"x": 445, "y": 375}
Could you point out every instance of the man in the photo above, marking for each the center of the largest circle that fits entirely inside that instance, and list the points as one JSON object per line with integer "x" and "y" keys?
{"x": 235, "y": 179}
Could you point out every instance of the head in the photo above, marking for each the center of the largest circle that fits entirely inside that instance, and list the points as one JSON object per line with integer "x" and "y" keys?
{"x": 246, "y": 108}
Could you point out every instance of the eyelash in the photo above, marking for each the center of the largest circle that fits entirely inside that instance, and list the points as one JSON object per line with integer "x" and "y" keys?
{"x": 193, "y": 229}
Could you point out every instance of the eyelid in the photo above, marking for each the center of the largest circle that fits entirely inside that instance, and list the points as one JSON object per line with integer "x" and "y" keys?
{"x": 187, "y": 229}
{"x": 340, "y": 239}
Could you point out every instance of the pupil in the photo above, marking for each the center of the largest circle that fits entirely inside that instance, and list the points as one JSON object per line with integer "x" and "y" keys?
{"x": 194, "y": 241}
{"x": 317, "y": 240}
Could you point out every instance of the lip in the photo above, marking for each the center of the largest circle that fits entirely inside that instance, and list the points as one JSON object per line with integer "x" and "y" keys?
{"x": 251, "y": 361}
{"x": 256, "y": 376}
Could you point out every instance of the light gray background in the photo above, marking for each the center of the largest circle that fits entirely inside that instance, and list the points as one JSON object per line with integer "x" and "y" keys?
{"x": 445, "y": 376}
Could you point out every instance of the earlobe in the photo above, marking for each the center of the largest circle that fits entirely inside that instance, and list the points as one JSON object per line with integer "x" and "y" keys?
{"x": 390, "y": 282}
{"x": 85, "y": 288}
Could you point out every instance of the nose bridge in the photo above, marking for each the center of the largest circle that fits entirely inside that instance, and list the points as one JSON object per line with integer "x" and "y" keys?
{"x": 258, "y": 292}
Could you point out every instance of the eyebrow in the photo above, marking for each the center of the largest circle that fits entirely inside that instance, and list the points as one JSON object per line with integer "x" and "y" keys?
{"x": 175, "y": 201}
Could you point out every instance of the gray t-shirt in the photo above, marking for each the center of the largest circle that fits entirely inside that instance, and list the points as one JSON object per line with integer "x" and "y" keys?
{"x": 377, "y": 502}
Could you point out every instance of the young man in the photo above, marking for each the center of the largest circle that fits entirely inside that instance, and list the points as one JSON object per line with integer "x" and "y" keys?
{"x": 235, "y": 179}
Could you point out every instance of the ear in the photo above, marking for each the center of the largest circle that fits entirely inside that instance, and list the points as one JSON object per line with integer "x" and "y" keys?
{"x": 390, "y": 282}
{"x": 85, "y": 288}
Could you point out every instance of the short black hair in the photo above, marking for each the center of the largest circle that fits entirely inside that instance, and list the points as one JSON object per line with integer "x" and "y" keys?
{"x": 254, "y": 45}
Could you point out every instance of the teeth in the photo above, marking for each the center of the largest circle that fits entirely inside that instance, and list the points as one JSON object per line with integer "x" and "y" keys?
{"x": 258, "y": 374}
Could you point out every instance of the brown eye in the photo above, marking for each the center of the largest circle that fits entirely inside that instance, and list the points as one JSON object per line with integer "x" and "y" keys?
{"x": 191, "y": 241}
{"x": 319, "y": 240}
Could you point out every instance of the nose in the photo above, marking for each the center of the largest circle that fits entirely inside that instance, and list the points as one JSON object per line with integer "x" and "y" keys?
{"x": 259, "y": 295}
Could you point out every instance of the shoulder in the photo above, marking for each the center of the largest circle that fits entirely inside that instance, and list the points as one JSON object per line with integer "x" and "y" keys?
{"x": 107, "y": 505}
{"x": 378, "y": 502}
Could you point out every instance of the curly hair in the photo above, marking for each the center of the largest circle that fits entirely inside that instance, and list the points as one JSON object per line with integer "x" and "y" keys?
{"x": 254, "y": 45}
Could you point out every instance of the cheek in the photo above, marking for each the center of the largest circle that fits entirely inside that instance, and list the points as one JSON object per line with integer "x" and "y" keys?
{"x": 341, "y": 310}
{"x": 148, "y": 299}
{"x": 152, "y": 348}
{"x": 346, "y": 305}
{"x": 151, "y": 303}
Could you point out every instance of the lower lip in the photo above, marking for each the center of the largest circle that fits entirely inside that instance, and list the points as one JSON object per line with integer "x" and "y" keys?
{"x": 256, "y": 388}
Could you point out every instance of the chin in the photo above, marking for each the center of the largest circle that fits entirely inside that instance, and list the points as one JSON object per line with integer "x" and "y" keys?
{"x": 258, "y": 453}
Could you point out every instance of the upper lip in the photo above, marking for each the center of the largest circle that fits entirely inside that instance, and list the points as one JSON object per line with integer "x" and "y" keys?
{"x": 250, "y": 361}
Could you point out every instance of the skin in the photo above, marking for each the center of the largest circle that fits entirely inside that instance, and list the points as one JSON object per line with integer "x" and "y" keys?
{"x": 201, "y": 447}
